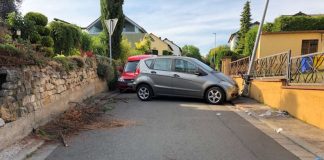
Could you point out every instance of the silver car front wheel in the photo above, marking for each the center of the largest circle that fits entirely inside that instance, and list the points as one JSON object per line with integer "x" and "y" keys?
{"x": 144, "y": 92}
{"x": 215, "y": 95}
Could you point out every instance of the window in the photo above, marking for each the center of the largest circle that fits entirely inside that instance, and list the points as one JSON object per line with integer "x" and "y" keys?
{"x": 131, "y": 66}
{"x": 185, "y": 66}
{"x": 162, "y": 64}
{"x": 309, "y": 46}
{"x": 149, "y": 63}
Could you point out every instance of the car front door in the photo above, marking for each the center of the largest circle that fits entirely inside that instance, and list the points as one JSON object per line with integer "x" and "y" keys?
{"x": 185, "y": 81}
{"x": 161, "y": 76}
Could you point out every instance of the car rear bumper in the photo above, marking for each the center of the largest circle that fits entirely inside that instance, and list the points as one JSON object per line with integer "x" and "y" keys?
{"x": 125, "y": 85}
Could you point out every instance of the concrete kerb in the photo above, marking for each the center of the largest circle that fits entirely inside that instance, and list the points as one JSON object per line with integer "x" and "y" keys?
{"x": 23, "y": 150}
{"x": 299, "y": 142}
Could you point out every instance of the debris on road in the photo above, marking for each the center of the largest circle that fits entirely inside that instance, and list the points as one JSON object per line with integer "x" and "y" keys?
{"x": 279, "y": 130}
{"x": 82, "y": 116}
{"x": 270, "y": 113}
{"x": 218, "y": 114}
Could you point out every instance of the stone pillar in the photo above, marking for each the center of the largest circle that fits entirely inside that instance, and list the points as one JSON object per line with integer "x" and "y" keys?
{"x": 226, "y": 65}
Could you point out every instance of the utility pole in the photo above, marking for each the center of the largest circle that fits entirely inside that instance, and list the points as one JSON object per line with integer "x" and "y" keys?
{"x": 215, "y": 47}
{"x": 247, "y": 77}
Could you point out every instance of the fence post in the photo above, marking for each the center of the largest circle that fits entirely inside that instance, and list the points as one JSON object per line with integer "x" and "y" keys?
{"x": 288, "y": 76}
{"x": 226, "y": 65}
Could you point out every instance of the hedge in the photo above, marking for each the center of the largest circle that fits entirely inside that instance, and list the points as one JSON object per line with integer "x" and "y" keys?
{"x": 298, "y": 23}
{"x": 66, "y": 37}
{"x": 38, "y": 18}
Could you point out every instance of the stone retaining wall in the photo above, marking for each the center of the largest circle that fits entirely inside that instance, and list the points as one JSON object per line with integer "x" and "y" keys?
{"x": 30, "y": 96}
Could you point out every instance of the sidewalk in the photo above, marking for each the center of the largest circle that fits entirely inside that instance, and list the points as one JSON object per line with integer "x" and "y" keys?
{"x": 306, "y": 136}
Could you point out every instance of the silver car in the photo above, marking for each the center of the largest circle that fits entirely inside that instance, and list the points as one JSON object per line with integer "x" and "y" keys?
{"x": 183, "y": 77}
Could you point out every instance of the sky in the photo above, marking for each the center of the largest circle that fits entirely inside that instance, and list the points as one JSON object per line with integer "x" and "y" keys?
{"x": 182, "y": 21}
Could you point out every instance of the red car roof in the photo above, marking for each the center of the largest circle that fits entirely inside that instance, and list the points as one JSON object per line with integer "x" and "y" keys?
{"x": 139, "y": 57}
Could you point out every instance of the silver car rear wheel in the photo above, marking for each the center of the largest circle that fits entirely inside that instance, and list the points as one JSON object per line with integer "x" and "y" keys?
{"x": 144, "y": 92}
{"x": 215, "y": 95}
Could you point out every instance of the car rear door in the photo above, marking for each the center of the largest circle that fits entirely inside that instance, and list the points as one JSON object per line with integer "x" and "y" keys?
{"x": 161, "y": 76}
{"x": 185, "y": 82}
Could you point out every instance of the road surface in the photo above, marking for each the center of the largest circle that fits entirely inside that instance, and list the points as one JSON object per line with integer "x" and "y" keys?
{"x": 173, "y": 129}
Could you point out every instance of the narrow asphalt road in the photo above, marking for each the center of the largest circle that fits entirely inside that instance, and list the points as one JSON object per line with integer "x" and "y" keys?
{"x": 173, "y": 129}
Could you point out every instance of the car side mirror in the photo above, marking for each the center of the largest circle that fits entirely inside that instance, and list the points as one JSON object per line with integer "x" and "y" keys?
{"x": 200, "y": 73}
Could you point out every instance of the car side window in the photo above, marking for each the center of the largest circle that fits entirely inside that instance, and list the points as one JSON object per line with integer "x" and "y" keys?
{"x": 162, "y": 64}
{"x": 149, "y": 63}
{"x": 185, "y": 66}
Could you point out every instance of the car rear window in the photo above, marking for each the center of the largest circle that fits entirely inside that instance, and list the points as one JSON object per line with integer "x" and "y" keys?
{"x": 131, "y": 66}
{"x": 149, "y": 63}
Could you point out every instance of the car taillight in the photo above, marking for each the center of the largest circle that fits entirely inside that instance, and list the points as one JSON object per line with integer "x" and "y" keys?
{"x": 137, "y": 71}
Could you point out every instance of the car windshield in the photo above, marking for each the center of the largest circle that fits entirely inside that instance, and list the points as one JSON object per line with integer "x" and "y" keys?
{"x": 131, "y": 66}
{"x": 204, "y": 66}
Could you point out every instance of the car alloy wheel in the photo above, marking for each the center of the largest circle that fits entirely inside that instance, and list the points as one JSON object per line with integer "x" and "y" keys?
{"x": 215, "y": 95}
{"x": 144, "y": 92}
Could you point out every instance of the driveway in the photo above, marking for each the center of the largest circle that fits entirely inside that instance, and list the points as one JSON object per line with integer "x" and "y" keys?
{"x": 173, "y": 129}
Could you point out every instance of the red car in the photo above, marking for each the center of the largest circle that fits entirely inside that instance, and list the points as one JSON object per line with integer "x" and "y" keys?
{"x": 126, "y": 79}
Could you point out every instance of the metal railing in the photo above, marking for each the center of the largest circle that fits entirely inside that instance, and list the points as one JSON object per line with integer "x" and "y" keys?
{"x": 271, "y": 66}
{"x": 307, "y": 69}
{"x": 240, "y": 67}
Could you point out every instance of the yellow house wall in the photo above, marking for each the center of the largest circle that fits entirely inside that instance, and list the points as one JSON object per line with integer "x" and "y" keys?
{"x": 159, "y": 45}
{"x": 276, "y": 43}
{"x": 304, "y": 104}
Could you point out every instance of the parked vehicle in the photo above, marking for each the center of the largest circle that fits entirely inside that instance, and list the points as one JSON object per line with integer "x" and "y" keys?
{"x": 184, "y": 77}
{"x": 127, "y": 77}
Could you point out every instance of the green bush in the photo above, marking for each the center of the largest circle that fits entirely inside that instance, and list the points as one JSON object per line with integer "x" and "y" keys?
{"x": 107, "y": 71}
{"x": 78, "y": 60}
{"x": 9, "y": 49}
{"x": 35, "y": 38}
{"x": 74, "y": 52}
{"x": 98, "y": 44}
{"x": 66, "y": 37}
{"x": 67, "y": 64}
{"x": 48, "y": 51}
{"x": 46, "y": 32}
{"x": 86, "y": 41}
{"x": 38, "y": 18}
{"x": 47, "y": 41}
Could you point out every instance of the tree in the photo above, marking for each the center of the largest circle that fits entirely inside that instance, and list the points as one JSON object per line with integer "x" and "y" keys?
{"x": 143, "y": 46}
{"x": 249, "y": 41}
{"x": 245, "y": 27}
{"x": 111, "y": 9}
{"x": 219, "y": 53}
{"x": 8, "y": 6}
{"x": 191, "y": 51}
{"x": 126, "y": 49}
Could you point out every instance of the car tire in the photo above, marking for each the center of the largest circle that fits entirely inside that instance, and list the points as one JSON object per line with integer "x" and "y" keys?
{"x": 215, "y": 96}
{"x": 144, "y": 92}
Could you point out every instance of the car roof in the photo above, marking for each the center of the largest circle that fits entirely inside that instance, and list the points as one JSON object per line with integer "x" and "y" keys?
{"x": 139, "y": 57}
{"x": 174, "y": 57}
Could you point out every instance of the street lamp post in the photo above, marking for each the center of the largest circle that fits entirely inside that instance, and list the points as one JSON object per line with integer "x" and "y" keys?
{"x": 215, "y": 48}
{"x": 247, "y": 77}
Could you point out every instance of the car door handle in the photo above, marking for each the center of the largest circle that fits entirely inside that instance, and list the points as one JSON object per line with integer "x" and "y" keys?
{"x": 153, "y": 72}
{"x": 175, "y": 75}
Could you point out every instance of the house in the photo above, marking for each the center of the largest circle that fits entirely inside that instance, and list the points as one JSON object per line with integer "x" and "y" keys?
{"x": 233, "y": 40}
{"x": 135, "y": 33}
{"x": 132, "y": 31}
{"x": 299, "y": 42}
{"x": 176, "y": 50}
{"x": 158, "y": 46}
